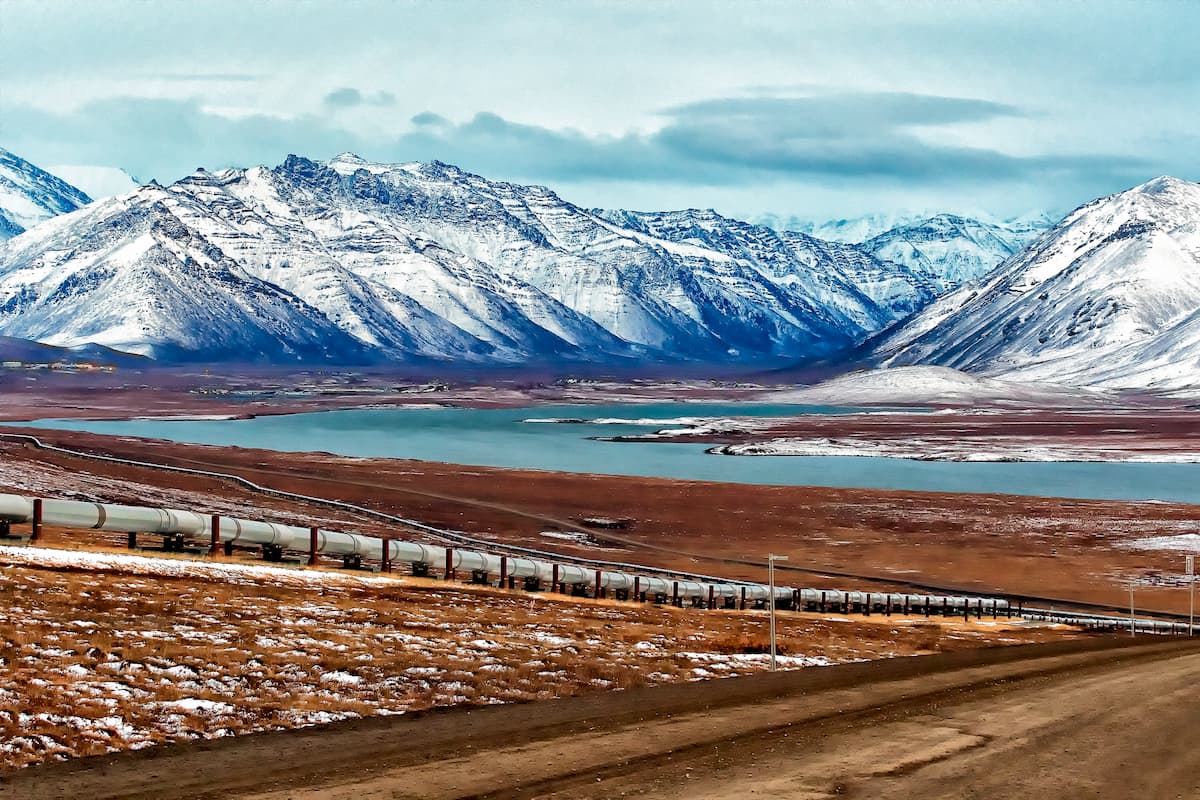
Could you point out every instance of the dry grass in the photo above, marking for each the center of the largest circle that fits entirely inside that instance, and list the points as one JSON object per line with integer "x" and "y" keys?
{"x": 126, "y": 656}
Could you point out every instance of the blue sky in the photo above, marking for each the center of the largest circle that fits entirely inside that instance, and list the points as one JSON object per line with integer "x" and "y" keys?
{"x": 819, "y": 110}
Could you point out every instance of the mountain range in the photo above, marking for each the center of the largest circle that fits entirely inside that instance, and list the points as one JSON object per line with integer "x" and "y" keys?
{"x": 349, "y": 261}
{"x": 1109, "y": 297}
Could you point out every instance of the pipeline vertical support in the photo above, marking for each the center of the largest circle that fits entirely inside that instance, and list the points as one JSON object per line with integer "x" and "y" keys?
{"x": 385, "y": 561}
{"x": 131, "y": 540}
{"x": 742, "y": 605}
{"x": 675, "y": 593}
{"x": 504, "y": 572}
{"x": 637, "y": 588}
{"x": 214, "y": 544}
{"x": 866, "y": 608}
{"x": 312, "y": 546}
{"x": 823, "y": 603}
{"x": 945, "y": 606}
{"x": 554, "y": 578}
{"x": 35, "y": 530}
{"x": 449, "y": 564}
{"x": 599, "y": 592}
{"x": 712, "y": 602}
{"x": 906, "y": 606}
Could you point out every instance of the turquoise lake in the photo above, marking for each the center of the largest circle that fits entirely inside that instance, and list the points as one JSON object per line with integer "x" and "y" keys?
{"x": 498, "y": 438}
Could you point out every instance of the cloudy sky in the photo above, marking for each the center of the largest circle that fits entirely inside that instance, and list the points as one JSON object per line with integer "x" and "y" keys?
{"x": 819, "y": 110}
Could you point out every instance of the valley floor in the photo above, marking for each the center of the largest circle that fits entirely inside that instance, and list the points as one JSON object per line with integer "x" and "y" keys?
{"x": 1082, "y": 551}
{"x": 109, "y": 650}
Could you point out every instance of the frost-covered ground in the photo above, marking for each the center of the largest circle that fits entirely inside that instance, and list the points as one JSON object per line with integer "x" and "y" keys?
{"x": 103, "y": 652}
{"x": 963, "y": 448}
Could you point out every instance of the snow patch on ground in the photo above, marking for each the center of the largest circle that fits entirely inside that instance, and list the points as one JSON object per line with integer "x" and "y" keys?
{"x": 1184, "y": 543}
{"x": 992, "y": 448}
{"x": 940, "y": 386}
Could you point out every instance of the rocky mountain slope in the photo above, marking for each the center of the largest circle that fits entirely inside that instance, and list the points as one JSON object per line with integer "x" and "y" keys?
{"x": 353, "y": 260}
{"x": 1109, "y": 297}
{"x": 29, "y": 195}
{"x": 950, "y": 250}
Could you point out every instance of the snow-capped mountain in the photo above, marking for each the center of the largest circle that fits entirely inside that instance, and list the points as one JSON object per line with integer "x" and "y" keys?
{"x": 349, "y": 259}
{"x": 846, "y": 231}
{"x": 851, "y": 287}
{"x": 1108, "y": 297}
{"x": 951, "y": 250}
{"x": 29, "y": 194}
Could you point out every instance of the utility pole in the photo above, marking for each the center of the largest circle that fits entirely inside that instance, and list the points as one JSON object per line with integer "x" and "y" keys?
{"x": 771, "y": 559}
{"x": 1191, "y": 576}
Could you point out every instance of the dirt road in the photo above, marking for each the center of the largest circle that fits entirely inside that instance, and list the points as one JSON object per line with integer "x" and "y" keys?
{"x": 1097, "y": 719}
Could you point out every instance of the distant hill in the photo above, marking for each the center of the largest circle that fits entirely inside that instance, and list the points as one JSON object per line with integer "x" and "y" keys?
{"x": 13, "y": 349}
{"x": 29, "y": 195}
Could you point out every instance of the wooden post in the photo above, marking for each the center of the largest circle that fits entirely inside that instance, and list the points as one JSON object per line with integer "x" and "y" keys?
{"x": 504, "y": 572}
{"x": 35, "y": 530}
{"x": 449, "y": 563}
{"x": 312, "y": 546}
{"x": 214, "y": 545}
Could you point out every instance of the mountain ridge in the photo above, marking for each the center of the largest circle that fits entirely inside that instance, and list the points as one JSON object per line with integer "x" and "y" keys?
{"x": 1109, "y": 297}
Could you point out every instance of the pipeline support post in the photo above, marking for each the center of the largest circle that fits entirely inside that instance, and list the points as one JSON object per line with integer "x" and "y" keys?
{"x": 712, "y": 603}
{"x": 504, "y": 572}
{"x": 742, "y": 606}
{"x": 312, "y": 546}
{"x": 599, "y": 592}
{"x": 131, "y": 540}
{"x": 35, "y": 530}
{"x": 554, "y": 579}
{"x": 385, "y": 556}
{"x": 637, "y": 588}
{"x": 214, "y": 544}
{"x": 449, "y": 563}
